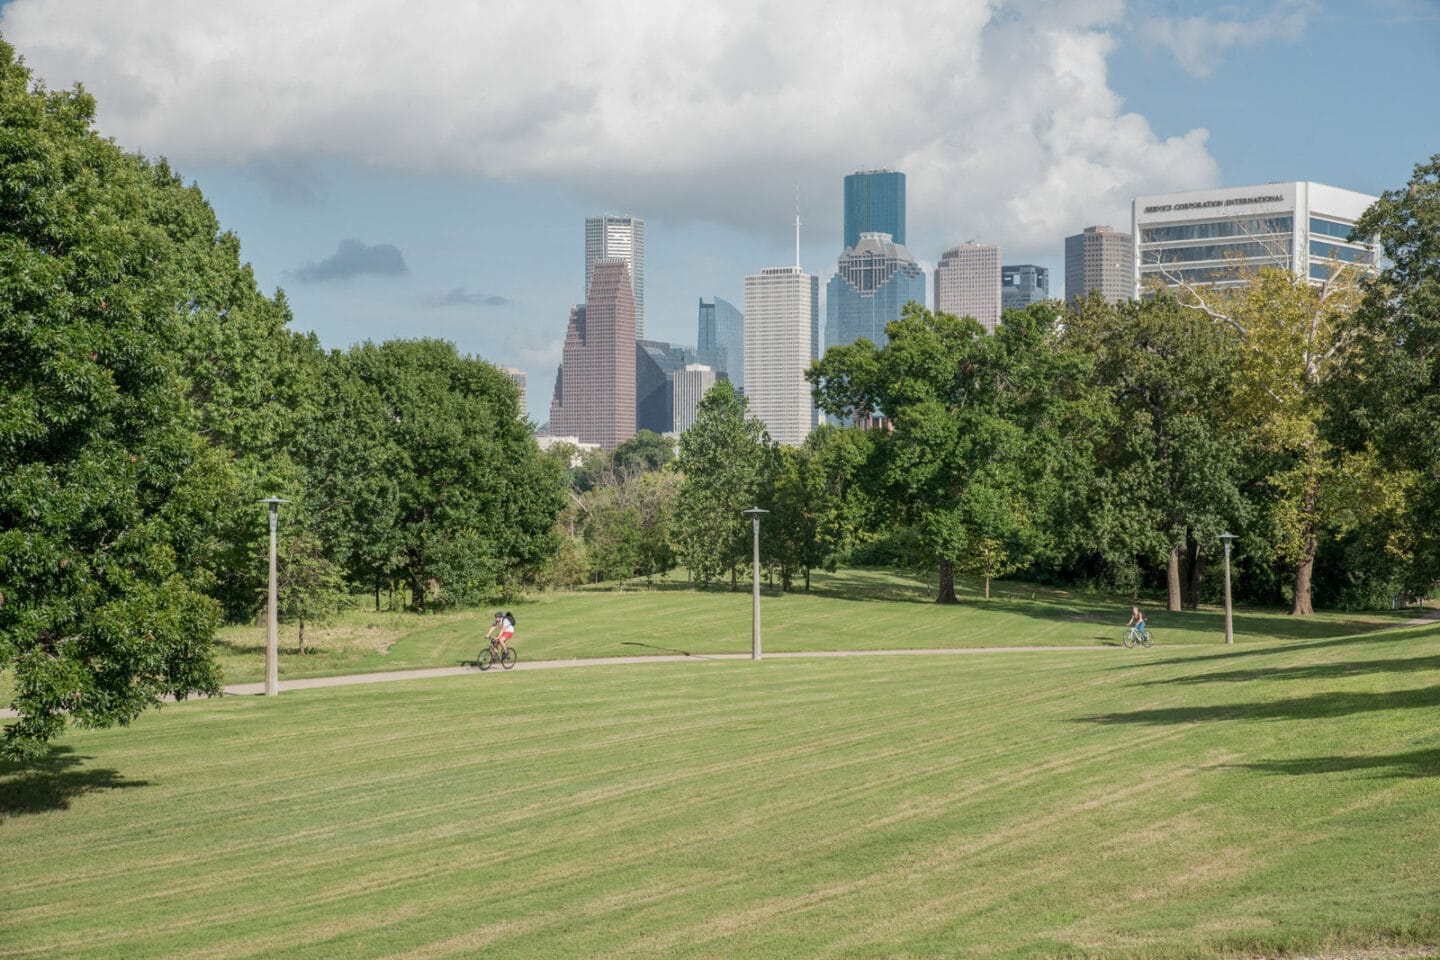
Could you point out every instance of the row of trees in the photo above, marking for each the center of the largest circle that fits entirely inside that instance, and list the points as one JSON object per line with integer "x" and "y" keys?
{"x": 1107, "y": 444}
{"x": 150, "y": 394}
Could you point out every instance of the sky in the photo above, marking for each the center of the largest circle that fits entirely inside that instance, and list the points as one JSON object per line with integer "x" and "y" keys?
{"x": 425, "y": 168}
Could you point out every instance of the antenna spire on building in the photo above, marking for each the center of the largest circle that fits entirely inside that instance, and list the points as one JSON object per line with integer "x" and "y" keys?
{"x": 797, "y": 226}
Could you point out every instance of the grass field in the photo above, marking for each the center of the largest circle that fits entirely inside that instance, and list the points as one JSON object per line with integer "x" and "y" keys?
{"x": 837, "y": 615}
{"x": 1173, "y": 803}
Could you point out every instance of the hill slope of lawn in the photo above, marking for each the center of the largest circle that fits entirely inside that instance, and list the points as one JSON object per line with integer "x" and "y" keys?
{"x": 848, "y": 610}
{"x": 1172, "y": 803}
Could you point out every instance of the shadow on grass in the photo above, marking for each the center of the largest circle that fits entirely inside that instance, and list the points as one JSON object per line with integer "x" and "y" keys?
{"x": 1370, "y": 637}
{"x": 1297, "y": 708}
{"x": 1415, "y": 763}
{"x": 52, "y": 781}
{"x": 651, "y": 646}
{"x": 1309, "y": 671}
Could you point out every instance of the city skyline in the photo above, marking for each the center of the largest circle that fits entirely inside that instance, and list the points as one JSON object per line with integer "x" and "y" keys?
{"x": 388, "y": 205}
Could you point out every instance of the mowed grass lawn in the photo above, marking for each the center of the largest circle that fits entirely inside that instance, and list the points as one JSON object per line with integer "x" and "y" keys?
{"x": 848, "y": 610}
{"x": 1177, "y": 802}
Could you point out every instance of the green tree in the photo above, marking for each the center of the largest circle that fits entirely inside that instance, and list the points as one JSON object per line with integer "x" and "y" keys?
{"x": 722, "y": 460}
{"x": 645, "y": 451}
{"x": 474, "y": 502}
{"x": 1170, "y": 472}
{"x": 1393, "y": 401}
{"x": 978, "y": 422}
{"x": 109, "y": 490}
{"x": 1296, "y": 340}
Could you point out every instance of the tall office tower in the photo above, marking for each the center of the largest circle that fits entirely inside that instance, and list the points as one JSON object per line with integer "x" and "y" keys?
{"x": 618, "y": 238}
{"x": 518, "y": 377}
{"x": 656, "y": 364}
{"x": 873, "y": 280}
{"x": 691, "y": 385}
{"x": 1022, "y": 284}
{"x": 720, "y": 343}
{"x": 874, "y": 203}
{"x": 595, "y": 389}
{"x": 1098, "y": 258}
{"x": 782, "y": 336}
{"x": 967, "y": 282}
{"x": 1211, "y": 236}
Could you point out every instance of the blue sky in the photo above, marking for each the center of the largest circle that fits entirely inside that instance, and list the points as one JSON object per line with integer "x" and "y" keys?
{"x": 424, "y": 169}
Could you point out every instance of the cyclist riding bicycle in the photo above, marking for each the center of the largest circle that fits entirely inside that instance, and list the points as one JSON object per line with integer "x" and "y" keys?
{"x": 1137, "y": 619}
{"x": 501, "y": 629}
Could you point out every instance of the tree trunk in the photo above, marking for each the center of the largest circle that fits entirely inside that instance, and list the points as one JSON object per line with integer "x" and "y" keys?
{"x": 947, "y": 583}
{"x": 1302, "y": 607}
{"x": 302, "y": 637}
{"x": 732, "y": 578}
{"x": 1309, "y": 534}
{"x": 1195, "y": 572}
{"x": 807, "y": 579}
{"x": 1172, "y": 581}
{"x": 377, "y": 593}
{"x": 987, "y": 586}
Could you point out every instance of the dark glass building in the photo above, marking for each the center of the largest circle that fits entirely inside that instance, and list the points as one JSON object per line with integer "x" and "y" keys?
{"x": 1022, "y": 284}
{"x": 656, "y": 364}
{"x": 720, "y": 341}
{"x": 874, "y": 203}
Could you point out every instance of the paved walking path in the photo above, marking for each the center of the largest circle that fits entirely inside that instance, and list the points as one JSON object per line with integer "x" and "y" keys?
{"x": 243, "y": 689}
{"x": 307, "y": 683}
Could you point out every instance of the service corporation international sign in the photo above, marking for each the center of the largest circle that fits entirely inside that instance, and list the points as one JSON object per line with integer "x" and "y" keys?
{"x": 1219, "y": 204}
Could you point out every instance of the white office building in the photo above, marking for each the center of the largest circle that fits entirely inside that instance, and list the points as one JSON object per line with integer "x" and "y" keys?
{"x": 691, "y": 384}
{"x": 1213, "y": 237}
{"x": 619, "y": 238}
{"x": 967, "y": 283}
{"x": 782, "y": 336}
{"x": 521, "y": 381}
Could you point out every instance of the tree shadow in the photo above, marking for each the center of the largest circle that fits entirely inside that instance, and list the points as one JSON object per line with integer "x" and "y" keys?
{"x": 651, "y": 646}
{"x": 1295, "y": 708}
{"x": 1309, "y": 671}
{"x": 1415, "y": 763}
{"x": 1377, "y": 636}
{"x": 53, "y": 781}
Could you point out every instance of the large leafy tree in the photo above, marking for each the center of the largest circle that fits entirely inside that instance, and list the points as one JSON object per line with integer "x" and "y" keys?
{"x": 975, "y": 457}
{"x": 110, "y": 494}
{"x": 1296, "y": 340}
{"x": 723, "y": 458}
{"x": 1170, "y": 473}
{"x": 1394, "y": 400}
{"x": 473, "y": 503}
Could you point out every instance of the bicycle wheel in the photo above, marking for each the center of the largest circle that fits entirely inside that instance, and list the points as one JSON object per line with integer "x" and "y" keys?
{"x": 1145, "y": 638}
{"x": 1129, "y": 639}
{"x": 487, "y": 657}
{"x": 508, "y": 658}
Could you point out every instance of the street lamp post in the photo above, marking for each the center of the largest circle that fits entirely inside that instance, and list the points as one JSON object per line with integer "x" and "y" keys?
{"x": 755, "y": 513}
{"x": 272, "y": 628}
{"x": 1228, "y": 538}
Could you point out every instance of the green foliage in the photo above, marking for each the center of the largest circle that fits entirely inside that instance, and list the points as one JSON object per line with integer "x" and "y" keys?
{"x": 646, "y": 451}
{"x": 440, "y": 482}
{"x": 111, "y": 499}
{"x": 723, "y": 458}
{"x": 983, "y": 428}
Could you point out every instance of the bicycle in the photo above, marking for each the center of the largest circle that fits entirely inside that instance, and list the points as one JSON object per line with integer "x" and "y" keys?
{"x": 1137, "y": 635}
{"x": 493, "y": 653}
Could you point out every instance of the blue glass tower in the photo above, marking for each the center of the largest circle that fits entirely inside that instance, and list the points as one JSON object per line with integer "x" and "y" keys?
{"x": 874, "y": 203}
{"x": 720, "y": 341}
{"x": 875, "y": 278}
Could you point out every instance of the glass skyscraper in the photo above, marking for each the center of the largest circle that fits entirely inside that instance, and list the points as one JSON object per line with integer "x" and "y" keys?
{"x": 874, "y": 203}
{"x": 874, "y": 279}
{"x": 720, "y": 340}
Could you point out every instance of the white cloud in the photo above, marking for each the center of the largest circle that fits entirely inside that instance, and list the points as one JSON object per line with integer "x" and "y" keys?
{"x": 999, "y": 111}
{"x": 1199, "y": 43}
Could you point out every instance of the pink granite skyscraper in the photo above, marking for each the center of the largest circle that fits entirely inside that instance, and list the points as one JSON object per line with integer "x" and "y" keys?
{"x": 595, "y": 388}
